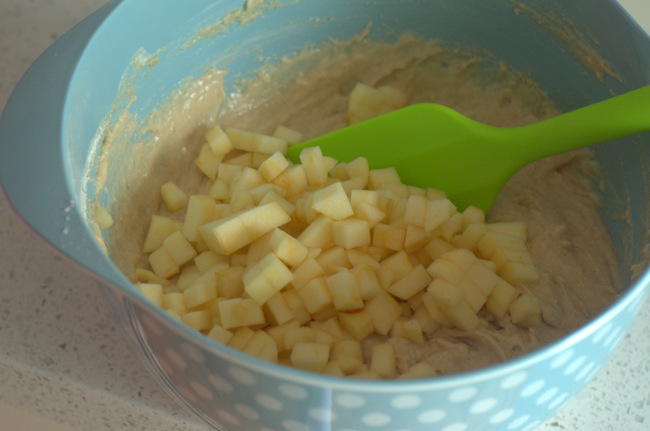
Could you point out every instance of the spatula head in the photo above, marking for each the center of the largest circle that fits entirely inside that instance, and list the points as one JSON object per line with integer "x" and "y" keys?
{"x": 430, "y": 146}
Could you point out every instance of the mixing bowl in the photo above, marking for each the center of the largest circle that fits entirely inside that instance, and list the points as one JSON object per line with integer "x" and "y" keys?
{"x": 579, "y": 51}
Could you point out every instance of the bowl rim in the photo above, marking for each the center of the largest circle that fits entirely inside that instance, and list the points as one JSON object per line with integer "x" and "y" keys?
{"x": 637, "y": 289}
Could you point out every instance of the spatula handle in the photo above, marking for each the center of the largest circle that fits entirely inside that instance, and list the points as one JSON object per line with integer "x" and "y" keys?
{"x": 619, "y": 116}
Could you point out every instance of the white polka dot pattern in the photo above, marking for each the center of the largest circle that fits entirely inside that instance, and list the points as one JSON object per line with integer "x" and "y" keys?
{"x": 514, "y": 397}
{"x": 404, "y": 402}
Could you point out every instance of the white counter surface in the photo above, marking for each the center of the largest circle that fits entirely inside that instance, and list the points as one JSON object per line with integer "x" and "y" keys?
{"x": 64, "y": 365}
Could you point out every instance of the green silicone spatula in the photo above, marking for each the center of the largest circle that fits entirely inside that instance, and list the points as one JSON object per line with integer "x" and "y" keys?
{"x": 434, "y": 146}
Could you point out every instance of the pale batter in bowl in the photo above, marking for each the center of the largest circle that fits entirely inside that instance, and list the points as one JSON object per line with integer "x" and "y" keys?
{"x": 555, "y": 197}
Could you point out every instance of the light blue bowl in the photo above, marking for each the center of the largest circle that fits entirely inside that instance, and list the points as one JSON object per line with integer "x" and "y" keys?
{"x": 52, "y": 116}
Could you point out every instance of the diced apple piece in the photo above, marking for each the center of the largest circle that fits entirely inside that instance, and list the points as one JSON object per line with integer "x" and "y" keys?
{"x": 251, "y": 141}
{"x": 526, "y": 311}
{"x": 228, "y": 171}
{"x": 208, "y": 259}
{"x": 219, "y": 190}
{"x": 220, "y": 334}
{"x": 325, "y": 314}
{"x": 461, "y": 257}
{"x": 359, "y": 324}
{"x": 519, "y": 272}
{"x": 179, "y": 248}
{"x": 397, "y": 214}
{"x": 332, "y": 327}
{"x": 173, "y": 196}
{"x": 473, "y": 294}
{"x": 344, "y": 291}
{"x": 379, "y": 178}
{"x": 318, "y": 234}
{"x": 160, "y": 227}
{"x": 225, "y": 236}
{"x": 266, "y": 278}
{"x": 310, "y": 356}
{"x": 218, "y": 140}
{"x": 293, "y": 180}
{"x": 229, "y": 282}
{"x": 409, "y": 329}
{"x": 333, "y": 260}
{"x": 450, "y": 227}
{"x": 278, "y": 333}
{"x": 339, "y": 172}
{"x": 348, "y": 355}
{"x": 315, "y": 295}
{"x": 300, "y": 334}
{"x": 383, "y": 360}
{"x": 277, "y": 311}
{"x": 364, "y": 103}
{"x": 174, "y": 301}
{"x": 358, "y": 197}
{"x": 213, "y": 307}
{"x": 420, "y": 370}
{"x": 428, "y": 324}
{"x": 162, "y": 263}
{"x": 415, "y": 238}
{"x": 400, "y": 263}
{"x": 263, "y": 219}
{"x": 199, "y": 320}
{"x": 333, "y": 369}
{"x": 472, "y": 215}
{"x": 438, "y": 211}
{"x": 272, "y": 167}
{"x": 436, "y": 247}
{"x": 393, "y": 98}
{"x": 434, "y": 310}
{"x": 200, "y": 210}
{"x": 314, "y": 165}
{"x": 333, "y": 202}
{"x": 517, "y": 229}
{"x": 258, "y": 159}
{"x": 306, "y": 272}
{"x": 351, "y": 233}
{"x": 200, "y": 293}
{"x": 367, "y": 282}
{"x": 471, "y": 236}
{"x": 208, "y": 162}
{"x": 152, "y": 291}
{"x": 262, "y": 346}
{"x": 416, "y": 210}
{"x": 386, "y": 277}
{"x": 446, "y": 270}
{"x": 358, "y": 168}
{"x": 243, "y": 159}
{"x": 246, "y": 179}
{"x": 238, "y": 312}
{"x": 499, "y": 300}
{"x": 493, "y": 240}
{"x": 273, "y": 196}
{"x": 102, "y": 217}
{"x": 384, "y": 311}
{"x": 147, "y": 276}
{"x": 369, "y": 213}
{"x": 388, "y": 236}
{"x": 453, "y": 305}
{"x": 415, "y": 281}
{"x": 361, "y": 257}
{"x": 241, "y": 337}
{"x": 287, "y": 248}
{"x": 483, "y": 276}
{"x": 354, "y": 183}
{"x": 290, "y": 135}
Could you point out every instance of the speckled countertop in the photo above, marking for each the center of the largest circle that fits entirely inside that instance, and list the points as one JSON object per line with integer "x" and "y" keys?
{"x": 64, "y": 364}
